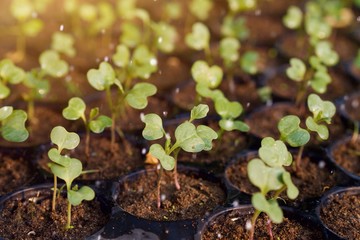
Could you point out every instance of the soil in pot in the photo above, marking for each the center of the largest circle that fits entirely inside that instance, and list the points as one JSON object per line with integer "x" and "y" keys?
{"x": 30, "y": 217}
{"x": 196, "y": 197}
{"x": 340, "y": 212}
{"x": 231, "y": 224}
{"x": 16, "y": 169}
{"x": 109, "y": 164}
{"x": 346, "y": 154}
{"x": 313, "y": 178}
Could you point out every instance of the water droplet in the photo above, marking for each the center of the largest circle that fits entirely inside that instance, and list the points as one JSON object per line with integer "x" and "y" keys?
{"x": 34, "y": 14}
{"x": 358, "y": 19}
{"x": 177, "y": 90}
{"x": 142, "y": 116}
{"x": 106, "y": 58}
{"x": 165, "y": 113}
{"x": 219, "y": 235}
{"x": 235, "y": 203}
{"x": 247, "y": 104}
{"x": 160, "y": 40}
{"x": 322, "y": 164}
{"x": 143, "y": 151}
{"x": 258, "y": 12}
{"x": 166, "y": 231}
{"x": 355, "y": 103}
{"x": 163, "y": 197}
{"x": 153, "y": 62}
{"x": 248, "y": 225}
{"x": 61, "y": 28}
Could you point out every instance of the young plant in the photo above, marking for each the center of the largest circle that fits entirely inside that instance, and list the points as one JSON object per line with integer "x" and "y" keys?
{"x": 9, "y": 74}
{"x": 12, "y": 124}
{"x": 268, "y": 174}
{"x": 94, "y": 122}
{"x": 295, "y": 136}
{"x": 141, "y": 64}
{"x": 67, "y": 169}
{"x": 199, "y": 39}
{"x": 188, "y": 137}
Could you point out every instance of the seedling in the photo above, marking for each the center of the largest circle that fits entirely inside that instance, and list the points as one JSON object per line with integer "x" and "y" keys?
{"x": 140, "y": 65}
{"x": 189, "y": 138}
{"x": 317, "y": 76}
{"x": 204, "y": 5}
{"x": 295, "y": 136}
{"x": 268, "y": 174}
{"x": 12, "y": 124}
{"x": 9, "y": 74}
{"x": 94, "y": 122}
{"x": 199, "y": 39}
{"x": 67, "y": 169}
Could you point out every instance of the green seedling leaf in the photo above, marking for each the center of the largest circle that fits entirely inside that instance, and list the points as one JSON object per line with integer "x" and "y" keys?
{"x": 166, "y": 161}
{"x": 232, "y": 27}
{"x": 21, "y": 9}
{"x": 188, "y": 139}
{"x": 94, "y": 112}
{"x": 131, "y": 35}
{"x": 153, "y": 127}
{"x": 274, "y": 153}
{"x": 69, "y": 172}
{"x": 84, "y": 193}
{"x": 264, "y": 177}
{"x": 207, "y": 135}
{"x": 199, "y": 38}
{"x": 13, "y": 127}
{"x": 5, "y": 112}
{"x": 291, "y": 190}
{"x": 227, "y": 109}
{"x": 101, "y": 78}
{"x": 293, "y": 17}
{"x": 315, "y": 63}
{"x": 291, "y": 132}
{"x": 317, "y": 28}
{"x": 143, "y": 63}
{"x": 230, "y": 125}
{"x": 100, "y": 123}
{"x": 173, "y": 10}
{"x": 75, "y": 109}
{"x": 63, "y": 43}
{"x": 166, "y": 36}
{"x": 64, "y": 139}
{"x": 270, "y": 207}
{"x": 204, "y": 5}
{"x": 208, "y": 76}
{"x": 4, "y": 91}
{"x": 322, "y": 110}
{"x": 199, "y": 111}
{"x": 320, "y": 129}
{"x": 137, "y": 96}
{"x": 229, "y": 50}
{"x": 297, "y": 69}
{"x": 204, "y": 91}
{"x": 57, "y": 158}
{"x": 37, "y": 85}
{"x": 87, "y": 12}
{"x": 241, "y": 5}
{"x": 325, "y": 53}
{"x": 11, "y": 73}
{"x": 320, "y": 81}
{"x": 32, "y": 27}
{"x": 122, "y": 56}
{"x": 51, "y": 63}
{"x": 248, "y": 62}
{"x": 126, "y": 9}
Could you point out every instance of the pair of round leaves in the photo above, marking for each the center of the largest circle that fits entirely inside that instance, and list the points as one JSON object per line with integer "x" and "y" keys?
{"x": 9, "y": 73}
{"x": 13, "y": 124}
{"x": 205, "y": 75}
{"x": 199, "y": 38}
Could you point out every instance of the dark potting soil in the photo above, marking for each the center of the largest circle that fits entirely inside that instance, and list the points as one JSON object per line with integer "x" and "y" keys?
{"x": 341, "y": 213}
{"x": 109, "y": 164}
{"x": 15, "y": 171}
{"x": 352, "y": 107}
{"x": 195, "y": 198}
{"x": 35, "y": 220}
{"x": 232, "y": 225}
{"x": 347, "y": 155}
{"x": 311, "y": 179}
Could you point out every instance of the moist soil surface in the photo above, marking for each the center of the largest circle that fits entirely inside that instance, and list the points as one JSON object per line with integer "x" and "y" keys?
{"x": 16, "y": 170}
{"x": 231, "y": 225}
{"x": 341, "y": 214}
{"x": 311, "y": 180}
{"x": 124, "y": 158}
{"x": 30, "y": 219}
{"x": 196, "y": 197}
{"x": 347, "y": 155}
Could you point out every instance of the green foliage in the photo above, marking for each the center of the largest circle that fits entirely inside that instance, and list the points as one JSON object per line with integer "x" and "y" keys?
{"x": 9, "y": 73}
{"x": 229, "y": 50}
{"x": 248, "y": 62}
{"x": 322, "y": 111}
{"x": 241, "y": 5}
{"x": 320, "y": 80}
{"x": 357, "y": 59}
{"x": 297, "y": 70}
{"x": 189, "y": 137}
{"x": 131, "y": 35}
{"x": 173, "y": 10}
{"x": 52, "y": 64}
{"x": 234, "y": 27}
{"x": 205, "y": 75}
{"x": 63, "y": 43}
{"x": 101, "y": 78}
{"x": 13, "y": 124}
{"x": 64, "y": 139}
{"x": 204, "y": 5}
{"x": 291, "y": 132}
{"x": 166, "y": 36}
{"x": 270, "y": 207}
{"x": 199, "y": 38}
{"x": 143, "y": 63}
{"x": 326, "y": 55}
{"x": 293, "y": 17}
{"x": 137, "y": 96}
{"x": 274, "y": 153}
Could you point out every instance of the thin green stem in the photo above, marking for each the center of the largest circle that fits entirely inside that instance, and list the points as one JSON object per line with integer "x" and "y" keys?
{"x": 158, "y": 188}
{"x": 299, "y": 157}
{"x": 176, "y": 179}
{"x": 253, "y": 222}
{"x": 68, "y": 223}
{"x": 53, "y": 205}
{"x": 355, "y": 132}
